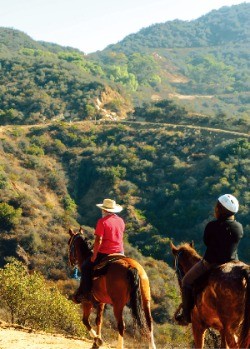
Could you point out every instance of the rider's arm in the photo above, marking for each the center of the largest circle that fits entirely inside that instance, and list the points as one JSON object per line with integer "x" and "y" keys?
{"x": 208, "y": 234}
{"x": 97, "y": 244}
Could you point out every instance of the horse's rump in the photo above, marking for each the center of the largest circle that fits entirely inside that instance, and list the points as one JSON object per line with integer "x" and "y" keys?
{"x": 226, "y": 273}
{"x": 116, "y": 282}
{"x": 222, "y": 301}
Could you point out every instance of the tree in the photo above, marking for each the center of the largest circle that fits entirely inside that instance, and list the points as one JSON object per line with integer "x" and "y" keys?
{"x": 9, "y": 216}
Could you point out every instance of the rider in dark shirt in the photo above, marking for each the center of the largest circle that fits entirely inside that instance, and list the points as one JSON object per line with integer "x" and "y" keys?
{"x": 221, "y": 237}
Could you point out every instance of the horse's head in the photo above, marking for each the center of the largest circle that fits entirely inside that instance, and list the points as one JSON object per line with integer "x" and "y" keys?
{"x": 79, "y": 248}
{"x": 185, "y": 256}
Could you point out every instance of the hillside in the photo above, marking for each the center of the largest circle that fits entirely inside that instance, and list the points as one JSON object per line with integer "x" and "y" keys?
{"x": 159, "y": 122}
{"x": 43, "y": 82}
{"x": 51, "y": 175}
{"x": 201, "y": 64}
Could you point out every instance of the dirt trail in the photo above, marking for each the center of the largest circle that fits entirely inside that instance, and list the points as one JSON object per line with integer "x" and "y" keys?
{"x": 12, "y": 337}
{"x": 4, "y": 129}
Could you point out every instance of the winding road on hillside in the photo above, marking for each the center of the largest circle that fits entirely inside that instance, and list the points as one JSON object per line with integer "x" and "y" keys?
{"x": 131, "y": 122}
{"x": 209, "y": 129}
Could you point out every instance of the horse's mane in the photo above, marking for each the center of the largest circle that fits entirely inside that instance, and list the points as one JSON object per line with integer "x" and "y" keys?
{"x": 86, "y": 245}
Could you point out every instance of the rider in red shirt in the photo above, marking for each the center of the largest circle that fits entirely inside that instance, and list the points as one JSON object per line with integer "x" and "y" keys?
{"x": 108, "y": 239}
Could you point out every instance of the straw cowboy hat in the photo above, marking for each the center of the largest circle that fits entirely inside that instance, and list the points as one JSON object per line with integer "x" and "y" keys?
{"x": 110, "y": 206}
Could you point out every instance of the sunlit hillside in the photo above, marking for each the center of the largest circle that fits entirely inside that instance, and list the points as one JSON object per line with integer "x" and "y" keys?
{"x": 159, "y": 122}
{"x": 201, "y": 64}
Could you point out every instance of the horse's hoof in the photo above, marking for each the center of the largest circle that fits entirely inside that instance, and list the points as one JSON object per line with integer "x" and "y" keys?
{"x": 99, "y": 341}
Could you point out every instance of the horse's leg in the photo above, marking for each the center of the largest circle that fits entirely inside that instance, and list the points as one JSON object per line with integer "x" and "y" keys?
{"x": 199, "y": 339}
{"x": 223, "y": 343}
{"x": 199, "y": 334}
{"x": 149, "y": 320}
{"x": 87, "y": 307}
{"x": 118, "y": 309}
{"x": 231, "y": 340}
{"x": 100, "y": 308}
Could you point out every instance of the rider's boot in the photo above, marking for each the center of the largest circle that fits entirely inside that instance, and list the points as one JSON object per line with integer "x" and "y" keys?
{"x": 83, "y": 293}
{"x": 184, "y": 318}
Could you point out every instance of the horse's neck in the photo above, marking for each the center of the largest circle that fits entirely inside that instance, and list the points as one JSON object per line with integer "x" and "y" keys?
{"x": 191, "y": 263}
{"x": 81, "y": 258}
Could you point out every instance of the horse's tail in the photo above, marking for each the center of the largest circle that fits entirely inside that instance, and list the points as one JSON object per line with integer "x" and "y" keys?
{"x": 244, "y": 340}
{"x": 136, "y": 303}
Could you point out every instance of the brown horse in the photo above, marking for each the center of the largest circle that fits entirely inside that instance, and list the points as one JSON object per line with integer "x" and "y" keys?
{"x": 224, "y": 302}
{"x": 124, "y": 282}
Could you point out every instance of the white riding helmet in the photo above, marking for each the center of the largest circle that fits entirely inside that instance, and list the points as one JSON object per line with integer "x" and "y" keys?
{"x": 229, "y": 202}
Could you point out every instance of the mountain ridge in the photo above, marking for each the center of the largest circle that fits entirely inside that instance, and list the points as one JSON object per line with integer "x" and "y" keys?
{"x": 66, "y": 82}
{"x": 241, "y": 12}
{"x": 165, "y": 164}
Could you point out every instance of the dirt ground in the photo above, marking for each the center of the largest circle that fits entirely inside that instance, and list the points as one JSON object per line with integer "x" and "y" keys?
{"x": 14, "y": 337}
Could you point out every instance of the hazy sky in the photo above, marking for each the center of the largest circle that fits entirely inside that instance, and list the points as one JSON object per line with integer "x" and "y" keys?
{"x": 91, "y": 25}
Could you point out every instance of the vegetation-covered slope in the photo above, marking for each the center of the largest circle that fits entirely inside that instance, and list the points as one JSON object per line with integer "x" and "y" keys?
{"x": 44, "y": 82}
{"x": 39, "y": 184}
{"x": 166, "y": 176}
{"x": 202, "y": 64}
{"x": 219, "y": 27}
{"x": 52, "y": 177}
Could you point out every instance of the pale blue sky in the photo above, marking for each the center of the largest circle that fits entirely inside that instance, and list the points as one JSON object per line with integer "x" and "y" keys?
{"x": 91, "y": 25}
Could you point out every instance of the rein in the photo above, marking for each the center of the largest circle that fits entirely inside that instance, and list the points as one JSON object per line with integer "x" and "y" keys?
{"x": 178, "y": 269}
{"x": 72, "y": 251}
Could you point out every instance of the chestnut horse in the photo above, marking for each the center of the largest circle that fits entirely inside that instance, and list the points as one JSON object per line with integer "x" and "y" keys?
{"x": 222, "y": 304}
{"x": 124, "y": 282}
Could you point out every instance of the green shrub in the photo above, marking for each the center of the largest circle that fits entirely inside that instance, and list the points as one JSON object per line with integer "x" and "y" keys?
{"x": 9, "y": 216}
{"x": 29, "y": 300}
{"x": 3, "y": 180}
{"x": 69, "y": 204}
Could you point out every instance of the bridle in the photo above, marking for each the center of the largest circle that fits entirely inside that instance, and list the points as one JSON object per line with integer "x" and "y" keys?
{"x": 178, "y": 269}
{"x": 72, "y": 250}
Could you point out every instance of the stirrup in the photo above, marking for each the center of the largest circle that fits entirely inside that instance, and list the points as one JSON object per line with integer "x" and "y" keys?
{"x": 76, "y": 298}
{"x": 181, "y": 320}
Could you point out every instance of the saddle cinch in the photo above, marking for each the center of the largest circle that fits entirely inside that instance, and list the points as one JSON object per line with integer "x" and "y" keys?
{"x": 101, "y": 268}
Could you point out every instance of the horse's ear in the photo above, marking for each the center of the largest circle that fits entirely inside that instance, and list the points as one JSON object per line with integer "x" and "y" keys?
{"x": 173, "y": 247}
{"x": 71, "y": 232}
{"x": 192, "y": 243}
{"x": 81, "y": 231}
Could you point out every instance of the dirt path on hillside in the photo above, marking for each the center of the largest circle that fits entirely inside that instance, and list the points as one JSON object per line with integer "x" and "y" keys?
{"x": 4, "y": 129}
{"x": 183, "y": 126}
{"x": 12, "y": 337}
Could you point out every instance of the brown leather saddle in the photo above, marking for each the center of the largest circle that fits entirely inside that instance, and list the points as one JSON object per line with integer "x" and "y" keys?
{"x": 101, "y": 268}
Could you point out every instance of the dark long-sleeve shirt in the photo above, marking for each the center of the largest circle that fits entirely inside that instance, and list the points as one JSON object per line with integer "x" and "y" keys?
{"x": 222, "y": 239}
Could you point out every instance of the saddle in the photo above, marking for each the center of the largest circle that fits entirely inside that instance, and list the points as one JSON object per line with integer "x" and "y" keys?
{"x": 101, "y": 268}
{"x": 202, "y": 281}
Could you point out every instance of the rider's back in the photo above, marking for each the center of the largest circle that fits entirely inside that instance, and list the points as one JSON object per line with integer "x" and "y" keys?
{"x": 222, "y": 238}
